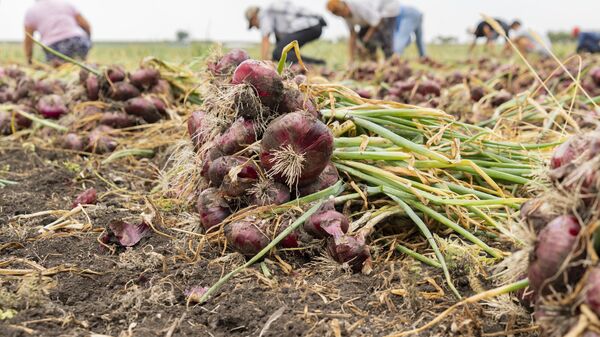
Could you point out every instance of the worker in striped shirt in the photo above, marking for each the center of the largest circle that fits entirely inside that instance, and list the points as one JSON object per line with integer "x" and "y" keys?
{"x": 287, "y": 22}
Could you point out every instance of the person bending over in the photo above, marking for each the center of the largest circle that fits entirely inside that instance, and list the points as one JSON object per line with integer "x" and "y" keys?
{"x": 61, "y": 27}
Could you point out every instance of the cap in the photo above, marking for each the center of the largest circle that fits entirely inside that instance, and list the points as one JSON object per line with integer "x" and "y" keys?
{"x": 575, "y": 31}
{"x": 251, "y": 13}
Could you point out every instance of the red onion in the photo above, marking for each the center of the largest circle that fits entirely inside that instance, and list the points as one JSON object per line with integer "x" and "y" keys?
{"x": 118, "y": 120}
{"x": 292, "y": 240}
{"x": 221, "y": 166}
{"x": 227, "y": 64}
{"x": 240, "y": 179}
{"x": 87, "y": 197}
{"x": 122, "y": 91}
{"x": 595, "y": 75}
{"x": 72, "y": 141}
{"x": 144, "y": 78}
{"x": 212, "y": 207}
{"x": 211, "y": 155}
{"x": 247, "y": 236}
{"x": 570, "y": 150}
{"x": 553, "y": 245}
{"x": 239, "y": 135}
{"x": 51, "y": 106}
{"x": 263, "y": 78}
{"x": 194, "y": 125}
{"x": 295, "y": 100}
{"x": 429, "y": 87}
{"x": 99, "y": 140}
{"x": 92, "y": 87}
{"x": 500, "y": 98}
{"x": 349, "y": 249}
{"x": 267, "y": 192}
{"x": 162, "y": 88}
{"x": 327, "y": 178}
{"x": 476, "y": 93}
{"x": 296, "y": 148}
{"x": 592, "y": 292}
{"x": 116, "y": 74}
{"x": 144, "y": 108}
{"x": 364, "y": 93}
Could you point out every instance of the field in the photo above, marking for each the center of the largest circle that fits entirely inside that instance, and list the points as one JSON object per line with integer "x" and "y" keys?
{"x": 436, "y": 159}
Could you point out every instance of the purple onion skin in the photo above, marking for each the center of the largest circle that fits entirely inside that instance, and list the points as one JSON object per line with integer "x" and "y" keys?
{"x": 240, "y": 134}
{"x": 212, "y": 208}
{"x": 428, "y": 87}
{"x": 553, "y": 245}
{"x": 292, "y": 240}
{"x": 477, "y": 94}
{"x": 159, "y": 104}
{"x": 144, "y": 78}
{"x": 122, "y": 91}
{"x": 263, "y": 78}
{"x": 326, "y": 179}
{"x": 364, "y": 93}
{"x": 6, "y": 121}
{"x": 162, "y": 88}
{"x": 326, "y": 223}
{"x": 208, "y": 159}
{"x": 295, "y": 100}
{"x": 127, "y": 234}
{"x": 51, "y": 106}
{"x": 501, "y": 98}
{"x": 568, "y": 151}
{"x": 227, "y": 64}
{"x": 144, "y": 108}
{"x": 118, "y": 120}
{"x": 275, "y": 194}
{"x": 306, "y": 135}
{"x": 349, "y": 249}
{"x": 245, "y": 237}
{"x": 592, "y": 293}
{"x": 595, "y": 74}
{"x": 87, "y": 197}
{"x": 72, "y": 141}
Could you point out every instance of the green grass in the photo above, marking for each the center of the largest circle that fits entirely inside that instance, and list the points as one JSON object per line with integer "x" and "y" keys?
{"x": 130, "y": 54}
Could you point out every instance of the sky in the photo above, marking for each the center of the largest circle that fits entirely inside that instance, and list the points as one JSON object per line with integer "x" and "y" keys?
{"x": 222, "y": 20}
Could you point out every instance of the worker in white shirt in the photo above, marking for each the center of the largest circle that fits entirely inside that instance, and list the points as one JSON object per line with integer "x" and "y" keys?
{"x": 395, "y": 24}
{"x": 288, "y": 23}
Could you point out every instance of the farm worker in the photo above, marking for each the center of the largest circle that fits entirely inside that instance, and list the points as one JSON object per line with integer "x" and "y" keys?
{"x": 527, "y": 41}
{"x": 287, "y": 22}
{"x": 384, "y": 24}
{"x": 485, "y": 30}
{"x": 62, "y": 28}
{"x": 587, "y": 41}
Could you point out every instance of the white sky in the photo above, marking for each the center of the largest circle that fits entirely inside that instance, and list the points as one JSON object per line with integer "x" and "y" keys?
{"x": 223, "y": 20}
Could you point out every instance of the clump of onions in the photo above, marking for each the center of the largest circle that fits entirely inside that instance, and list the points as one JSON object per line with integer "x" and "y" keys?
{"x": 240, "y": 179}
{"x": 296, "y": 148}
{"x": 122, "y": 91}
{"x": 144, "y": 78}
{"x": 555, "y": 243}
{"x": 247, "y": 236}
{"x": 212, "y": 208}
{"x": 267, "y": 192}
{"x": 72, "y": 141}
{"x": 295, "y": 100}
{"x": 87, "y": 197}
{"x": 326, "y": 179}
{"x": 92, "y": 87}
{"x": 263, "y": 78}
{"x": 240, "y": 134}
{"x": 326, "y": 222}
{"x": 118, "y": 120}
{"x": 592, "y": 291}
{"x": 227, "y": 64}
{"x": 51, "y": 106}
{"x": 144, "y": 108}
{"x": 116, "y": 73}
{"x": 100, "y": 141}
{"x": 350, "y": 249}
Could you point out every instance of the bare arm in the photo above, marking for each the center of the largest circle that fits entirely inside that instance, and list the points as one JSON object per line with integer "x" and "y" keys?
{"x": 264, "y": 48}
{"x": 352, "y": 45}
{"x": 28, "y": 43}
{"x": 84, "y": 24}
